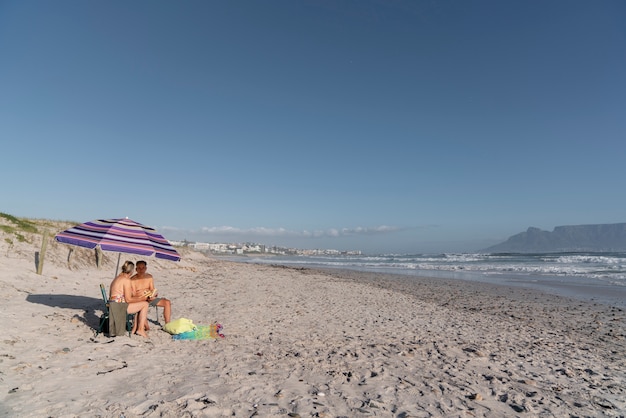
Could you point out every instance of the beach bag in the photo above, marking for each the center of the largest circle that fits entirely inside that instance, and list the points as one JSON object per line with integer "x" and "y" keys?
{"x": 105, "y": 325}
{"x": 178, "y": 326}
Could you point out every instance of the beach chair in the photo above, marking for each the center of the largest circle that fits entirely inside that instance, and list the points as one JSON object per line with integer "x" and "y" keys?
{"x": 106, "y": 315}
{"x": 156, "y": 312}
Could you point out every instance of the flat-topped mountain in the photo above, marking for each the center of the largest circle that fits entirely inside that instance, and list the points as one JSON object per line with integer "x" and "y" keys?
{"x": 571, "y": 238}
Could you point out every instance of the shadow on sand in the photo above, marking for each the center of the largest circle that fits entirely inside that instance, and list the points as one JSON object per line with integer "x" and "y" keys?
{"x": 87, "y": 304}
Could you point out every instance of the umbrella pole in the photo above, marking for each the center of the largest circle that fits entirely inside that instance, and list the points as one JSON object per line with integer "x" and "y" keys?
{"x": 118, "y": 264}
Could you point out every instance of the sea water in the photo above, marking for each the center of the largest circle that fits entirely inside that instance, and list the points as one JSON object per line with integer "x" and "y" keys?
{"x": 597, "y": 276}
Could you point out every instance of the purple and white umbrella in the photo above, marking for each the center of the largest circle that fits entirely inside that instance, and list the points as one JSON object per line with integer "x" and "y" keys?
{"x": 120, "y": 235}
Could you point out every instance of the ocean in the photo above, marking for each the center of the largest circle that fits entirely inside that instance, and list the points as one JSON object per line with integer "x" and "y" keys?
{"x": 590, "y": 276}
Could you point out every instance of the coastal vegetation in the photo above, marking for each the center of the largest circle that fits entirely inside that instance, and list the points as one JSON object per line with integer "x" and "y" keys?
{"x": 23, "y": 226}
{"x": 23, "y": 230}
{"x": 16, "y": 227}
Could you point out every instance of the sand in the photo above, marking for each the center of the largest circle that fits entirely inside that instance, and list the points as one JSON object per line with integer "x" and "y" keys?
{"x": 301, "y": 342}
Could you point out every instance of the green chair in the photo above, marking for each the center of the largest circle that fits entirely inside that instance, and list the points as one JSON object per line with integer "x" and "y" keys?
{"x": 105, "y": 317}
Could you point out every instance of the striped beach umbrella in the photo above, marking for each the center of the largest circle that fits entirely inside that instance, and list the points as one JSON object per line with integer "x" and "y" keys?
{"x": 120, "y": 235}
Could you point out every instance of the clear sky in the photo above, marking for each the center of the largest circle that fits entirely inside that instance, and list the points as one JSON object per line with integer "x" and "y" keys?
{"x": 381, "y": 126}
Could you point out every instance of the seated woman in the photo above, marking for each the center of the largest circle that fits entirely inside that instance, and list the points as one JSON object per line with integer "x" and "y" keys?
{"x": 121, "y": 292}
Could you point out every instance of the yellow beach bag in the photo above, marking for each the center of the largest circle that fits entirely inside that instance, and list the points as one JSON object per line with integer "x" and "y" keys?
{"x": 178, "y": 326}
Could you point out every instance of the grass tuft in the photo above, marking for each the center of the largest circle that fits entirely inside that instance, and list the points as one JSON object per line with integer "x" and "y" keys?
{"x": 19, "y": 225}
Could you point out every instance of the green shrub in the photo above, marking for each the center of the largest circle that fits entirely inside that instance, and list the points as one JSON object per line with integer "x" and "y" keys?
{"x": 20, "y": 224}
{"x": 7, "y": 228}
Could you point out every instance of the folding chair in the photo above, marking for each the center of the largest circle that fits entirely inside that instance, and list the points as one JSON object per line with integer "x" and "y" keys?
{"x": 105, "y": 316}
{"x": 156, "y": 312}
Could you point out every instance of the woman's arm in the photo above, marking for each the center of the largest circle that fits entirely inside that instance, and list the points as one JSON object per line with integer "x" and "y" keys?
{"x": 130, "y": 296}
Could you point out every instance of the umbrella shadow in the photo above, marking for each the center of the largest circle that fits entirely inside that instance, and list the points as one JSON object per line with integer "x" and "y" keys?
{"x": 88, "y": 304}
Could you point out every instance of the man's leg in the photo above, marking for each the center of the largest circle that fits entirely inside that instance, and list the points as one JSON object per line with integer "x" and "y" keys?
{"x": 167, "y": 309}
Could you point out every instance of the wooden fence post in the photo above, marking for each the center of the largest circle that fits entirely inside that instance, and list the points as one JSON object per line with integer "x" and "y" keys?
{"x": 42, "y": 253}
{"x": 69, "y": 255}
{"x": 98, "y": 257}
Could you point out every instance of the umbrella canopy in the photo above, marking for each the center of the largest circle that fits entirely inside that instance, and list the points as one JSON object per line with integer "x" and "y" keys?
{"x": 120, "y": 235}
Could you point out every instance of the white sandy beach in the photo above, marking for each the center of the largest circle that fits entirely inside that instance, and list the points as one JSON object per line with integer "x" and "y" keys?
{"x": 301, "y": 343}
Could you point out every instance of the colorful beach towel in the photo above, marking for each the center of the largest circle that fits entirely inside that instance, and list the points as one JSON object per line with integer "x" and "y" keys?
{"x": 202, "y": 332}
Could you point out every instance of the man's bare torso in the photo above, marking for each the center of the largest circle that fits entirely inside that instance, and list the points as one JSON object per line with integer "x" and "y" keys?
{"x": 142, "y": 283}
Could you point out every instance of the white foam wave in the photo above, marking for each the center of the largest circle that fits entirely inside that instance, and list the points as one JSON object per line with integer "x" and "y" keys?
{"x": 607, "y": 267}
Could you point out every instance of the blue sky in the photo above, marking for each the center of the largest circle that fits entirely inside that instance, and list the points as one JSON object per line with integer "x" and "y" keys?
{"x": 382, "y": 126}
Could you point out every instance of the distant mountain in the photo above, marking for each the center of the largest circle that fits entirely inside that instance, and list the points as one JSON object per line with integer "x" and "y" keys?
{"x": 601, "y": 237}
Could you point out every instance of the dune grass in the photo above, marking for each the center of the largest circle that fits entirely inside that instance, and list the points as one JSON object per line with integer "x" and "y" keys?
{"x": 17, "y": 227}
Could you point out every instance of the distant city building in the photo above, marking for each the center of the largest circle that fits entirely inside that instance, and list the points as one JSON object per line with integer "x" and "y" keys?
{"x": 254, "y": 248}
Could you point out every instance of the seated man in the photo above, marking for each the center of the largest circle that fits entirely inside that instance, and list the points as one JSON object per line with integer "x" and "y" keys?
{"x": 143, "y": 285}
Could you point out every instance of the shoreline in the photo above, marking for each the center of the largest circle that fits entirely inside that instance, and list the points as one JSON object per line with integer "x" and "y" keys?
{"x": 610, "y": 295}
{"x": 443, "y": 292}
